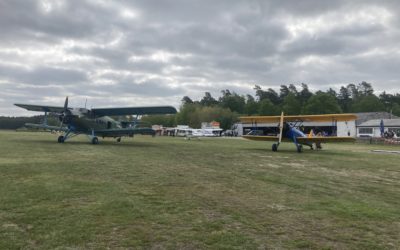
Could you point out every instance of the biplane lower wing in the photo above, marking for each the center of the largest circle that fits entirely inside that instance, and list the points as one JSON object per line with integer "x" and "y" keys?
{"x": 45, "y": 127}
{"x": 324, "y": 139}
{"x": 262, "y": 138}
{"x": 316, "y": 139}
{"x": 124, "y": 132}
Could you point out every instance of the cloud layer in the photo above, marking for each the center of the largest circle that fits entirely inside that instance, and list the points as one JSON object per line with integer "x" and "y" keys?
{"x": 132, "y": 53}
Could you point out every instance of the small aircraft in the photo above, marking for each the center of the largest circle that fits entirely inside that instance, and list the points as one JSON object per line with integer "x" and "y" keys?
{"x": 95, "y": 122}
{"x": 289, "y": 129}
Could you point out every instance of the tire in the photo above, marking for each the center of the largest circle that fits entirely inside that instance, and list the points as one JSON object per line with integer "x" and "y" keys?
{"x": 119, "y": 139}
{"x": 274, "y": 147}
{"x": 95, "y": 140}
{"x": 299, "y": 148}
{"x": 61, "y": 139}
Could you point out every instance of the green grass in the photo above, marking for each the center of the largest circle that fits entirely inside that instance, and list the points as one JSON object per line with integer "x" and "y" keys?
{"x": 218, "y": 193}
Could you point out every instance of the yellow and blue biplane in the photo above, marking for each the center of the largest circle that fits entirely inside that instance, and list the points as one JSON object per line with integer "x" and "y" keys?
{"x": 95, "y": 122}
{"x": 289, "y": 129}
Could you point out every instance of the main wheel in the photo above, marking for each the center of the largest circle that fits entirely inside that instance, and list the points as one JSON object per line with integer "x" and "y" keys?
{"x": 274, "y": 147}
{"x": 119, "y": 139}
{"x": 299, "y": 148}
{"x": 95, "y": 140}
{"x": 61, "y": 139}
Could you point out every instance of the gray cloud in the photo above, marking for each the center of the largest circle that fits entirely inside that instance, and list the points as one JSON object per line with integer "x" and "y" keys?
{"x": 155, "y": 52}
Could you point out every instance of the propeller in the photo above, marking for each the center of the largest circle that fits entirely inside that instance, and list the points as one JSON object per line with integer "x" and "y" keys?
{"x": 63, "y": 114}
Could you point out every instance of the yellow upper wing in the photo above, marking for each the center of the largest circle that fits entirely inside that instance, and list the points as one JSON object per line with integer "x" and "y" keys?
{"x": 304, "y": 118}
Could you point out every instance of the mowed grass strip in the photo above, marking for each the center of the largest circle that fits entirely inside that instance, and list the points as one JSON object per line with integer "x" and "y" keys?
{"x": 166, "y": 192}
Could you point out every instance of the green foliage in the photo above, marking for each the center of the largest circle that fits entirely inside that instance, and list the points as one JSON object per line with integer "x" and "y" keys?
{"x": 232, "y": 101}
{"x": 165, "y": 120}
{"x": 186, "y": 100}
{"x": 291, "y": 104}
{"x": 304, "y": 94}
{"x": 344, "y": 99}
{"x": 251, "y": 107}
{"x": 266, "y": 107}
{"x": 18, "y": 122}
{"x": 369, "y": 103}
{"x": 322, "y": 103}
{"x": 186, "y": 114}
{"x": 395, "y": 109}
{"x": 194, "y": 114}
{"x": 208, "y": 100}
{"x": 222, "y": 115}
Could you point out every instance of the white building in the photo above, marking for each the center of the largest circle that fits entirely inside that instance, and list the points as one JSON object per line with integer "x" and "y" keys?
{"x": 372, "y": 128}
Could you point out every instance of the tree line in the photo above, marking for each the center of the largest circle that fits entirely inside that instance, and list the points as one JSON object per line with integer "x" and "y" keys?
{"x": 351, "y": 98}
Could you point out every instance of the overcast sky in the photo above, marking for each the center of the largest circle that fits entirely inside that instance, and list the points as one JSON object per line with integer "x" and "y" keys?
{"x": 135, "y": 53}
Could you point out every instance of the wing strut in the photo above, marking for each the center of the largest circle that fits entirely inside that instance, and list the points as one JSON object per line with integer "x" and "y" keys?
{"x": 281, "y": 128}
{"x": 276, "y": 145}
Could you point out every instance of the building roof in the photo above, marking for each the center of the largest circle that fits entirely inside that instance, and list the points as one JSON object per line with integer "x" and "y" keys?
{"x": 377, "y": 123}
{"x": 366, "y": 116}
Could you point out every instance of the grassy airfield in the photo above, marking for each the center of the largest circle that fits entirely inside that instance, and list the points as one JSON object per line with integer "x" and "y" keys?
{"x": 170, "y": 193}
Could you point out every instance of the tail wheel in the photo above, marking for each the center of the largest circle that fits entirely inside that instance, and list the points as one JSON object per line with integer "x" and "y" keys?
{"x": 61, "y": 139}
{"x": 299, "y": 148}
{"x": 274, "y": 147}
{"x": 95, "y": 140}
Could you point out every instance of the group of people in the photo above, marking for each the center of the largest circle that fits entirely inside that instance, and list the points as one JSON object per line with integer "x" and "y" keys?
{"x": 390, "y": 135}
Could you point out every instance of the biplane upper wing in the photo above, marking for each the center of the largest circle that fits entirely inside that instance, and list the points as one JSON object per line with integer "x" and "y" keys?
{"x": 321, "y": 118}
{"x": 303, "y": 118}
{"x": 260, "y": 119}
{"x": 40, "y": 108}
{"x": 325, "y": 139}
{"x": 134, "y": 111}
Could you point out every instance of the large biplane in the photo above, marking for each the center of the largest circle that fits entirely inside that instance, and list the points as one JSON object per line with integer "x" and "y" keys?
{"x": 289, "y": 129}
{"x": 95, "y": 122}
